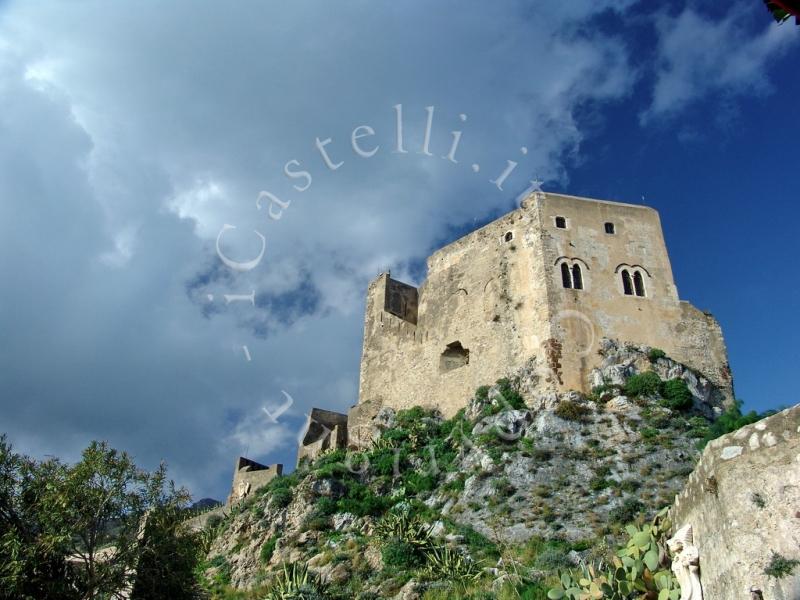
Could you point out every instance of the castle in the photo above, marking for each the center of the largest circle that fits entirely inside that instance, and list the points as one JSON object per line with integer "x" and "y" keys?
{"x": 548, "y": 280}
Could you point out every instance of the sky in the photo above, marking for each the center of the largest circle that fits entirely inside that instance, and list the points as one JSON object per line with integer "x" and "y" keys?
{"x": 143, "y": 142}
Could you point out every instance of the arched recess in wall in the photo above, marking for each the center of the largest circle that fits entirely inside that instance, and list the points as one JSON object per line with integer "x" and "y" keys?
{"x": 491, "y": 301}
{"x": 456, "y": 303}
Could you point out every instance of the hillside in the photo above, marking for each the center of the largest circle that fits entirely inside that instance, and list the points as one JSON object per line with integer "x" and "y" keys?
{"x": 514, "y": 487}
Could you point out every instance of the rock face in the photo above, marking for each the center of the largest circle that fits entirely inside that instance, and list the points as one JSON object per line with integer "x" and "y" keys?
{"x": 743, "y": 504}
{"x": 516, "y": 464}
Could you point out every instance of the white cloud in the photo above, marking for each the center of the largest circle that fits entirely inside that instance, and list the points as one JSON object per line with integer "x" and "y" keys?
{"x": 699, "y": 55}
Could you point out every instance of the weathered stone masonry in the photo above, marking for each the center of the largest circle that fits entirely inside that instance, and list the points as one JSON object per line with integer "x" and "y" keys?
{"x": 548, "y": 280}
{"x": 743, "y": 503}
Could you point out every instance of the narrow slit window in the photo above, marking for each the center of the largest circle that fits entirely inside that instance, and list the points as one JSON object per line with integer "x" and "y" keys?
{"x": 577, "y": 277}
{"x": 561, "y": 222}
{"x": 566, "y": 279}
{"x": 627, "y": 284}
{"x": 638, "y": 283}
{"x": 610, "y": 228}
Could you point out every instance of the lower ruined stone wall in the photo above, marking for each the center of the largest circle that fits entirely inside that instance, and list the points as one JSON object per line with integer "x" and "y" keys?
{"x": 743, "y": 502}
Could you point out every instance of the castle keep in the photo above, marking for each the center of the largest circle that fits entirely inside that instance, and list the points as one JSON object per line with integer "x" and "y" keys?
{"x": 548, "y": 280}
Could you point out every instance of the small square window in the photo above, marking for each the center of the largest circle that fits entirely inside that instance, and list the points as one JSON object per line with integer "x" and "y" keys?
{"x": 610, "y": 228}
{"x": 561, "y": 222}
{"x": 509, "y": 236}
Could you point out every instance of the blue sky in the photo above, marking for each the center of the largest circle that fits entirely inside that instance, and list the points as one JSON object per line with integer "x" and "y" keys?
{"x": 131, "y": 133}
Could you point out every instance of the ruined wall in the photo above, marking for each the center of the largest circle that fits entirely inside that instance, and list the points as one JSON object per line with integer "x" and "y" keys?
{"x": 325, "y": 430}
{"x": 495, "y": 298}
{"x": 743, "y": 502}
{"x": 248, "y": 476}
{"x": 478, "y": 311}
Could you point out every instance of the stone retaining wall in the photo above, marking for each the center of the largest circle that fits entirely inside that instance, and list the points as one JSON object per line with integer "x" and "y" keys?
{"x": 743, "y": 502}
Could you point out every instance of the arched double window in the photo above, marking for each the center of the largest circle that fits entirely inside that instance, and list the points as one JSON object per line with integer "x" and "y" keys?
{"x": 632, "y": 281}
{"x": 571, "y": 274}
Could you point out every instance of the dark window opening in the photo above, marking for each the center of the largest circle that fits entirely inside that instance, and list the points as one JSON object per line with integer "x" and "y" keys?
{"x": 577, "y": 277}
{"x": 509, "y": 236}
{"x": 453, "y": 357}
{"x": 609, "y": 228}
{"x": 566, "y": 280}
{"x": 627, "y": 285}
{"x": 638, "y": 283}
{"x": 561, "y": 222}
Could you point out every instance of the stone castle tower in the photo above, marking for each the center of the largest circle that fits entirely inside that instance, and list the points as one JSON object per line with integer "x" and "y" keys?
{"x": 548, "y": 280}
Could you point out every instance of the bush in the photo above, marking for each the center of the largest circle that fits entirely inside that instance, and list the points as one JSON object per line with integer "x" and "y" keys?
{"x": 510, "y": 395}
{"x": 416, "y": 483}
{"x": 552, "y": 558}
{"x": 676, "y": 394}
{"x": 655, "y": 354}
{"x": 598, "y": 483}
{"x": 282, "y": 497}
{"x": 214, "y": 521}
{"x": 402, "y": 555}
{"x": 648, "y": 433}
{"x": 626, "y": 512}
{"x": 572, "y": 411}
{"x": 629, "y": 485}
{"x": 780, "y": 566}
{"x": 731, "y": 420}
{"x": 268, "y": 549}
{"x": 643, "y": 384}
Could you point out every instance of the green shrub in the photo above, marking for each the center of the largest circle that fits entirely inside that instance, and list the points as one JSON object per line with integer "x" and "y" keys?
{"x": 268, "y": 549}
{"x": 416, "y": 483}
{"x": 503, "y": 487}
{"x": 626, "y": 512}
{"x": 552, "y": 558}
{"x": 655, "y": 354}
{"x": 509, "y": 395}
{"x": 729, "y": 421}
{"x": 676, "y": 394}
{"x": 572, "y": 411}
{"x": 642, "y": 384}
{"x": 780, "y": 566}
{"x": 629, "y": 485}
{"x": 282, "y": 497}
{"x": 214, "y": 521}
{"x": 598, "y": 483}
{"x": 399, "y": 554}
{"x": 478, "y": 544}
{"x": 648, "y": 433}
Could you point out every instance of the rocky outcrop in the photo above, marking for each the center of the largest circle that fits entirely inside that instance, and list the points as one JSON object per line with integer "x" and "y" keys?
{"x": 517, "y": 463}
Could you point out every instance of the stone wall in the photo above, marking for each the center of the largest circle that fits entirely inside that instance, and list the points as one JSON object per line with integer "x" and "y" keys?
{"x": 248, "y": 476}
{"x": 494, "y": 299}
{"x": 743, "y": 503}
{"x": 325, "y": 430}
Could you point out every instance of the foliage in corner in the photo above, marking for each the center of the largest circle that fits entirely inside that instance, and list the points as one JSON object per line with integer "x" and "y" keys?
{"x": 639, "y": 571}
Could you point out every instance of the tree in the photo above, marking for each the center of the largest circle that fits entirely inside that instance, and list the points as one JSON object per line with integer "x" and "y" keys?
{"x": 80, "y": 531}
{"x": 33, "y": 547}
{"x": 168, "y": 556}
